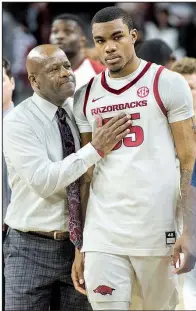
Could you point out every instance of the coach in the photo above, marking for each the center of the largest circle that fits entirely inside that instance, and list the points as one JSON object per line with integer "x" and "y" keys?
{"x": 44, "y": 160}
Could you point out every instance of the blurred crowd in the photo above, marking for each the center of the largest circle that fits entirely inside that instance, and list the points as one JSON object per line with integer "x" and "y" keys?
{"x": 29, "y": 24}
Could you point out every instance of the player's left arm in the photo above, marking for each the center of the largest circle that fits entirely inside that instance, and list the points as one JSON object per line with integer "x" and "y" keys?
{"x": 179, "y": 105}
{"x": 184, "y": 139}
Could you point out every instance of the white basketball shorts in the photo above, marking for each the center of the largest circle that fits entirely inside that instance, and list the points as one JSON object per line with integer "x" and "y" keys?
{"x": 112, "y": 281}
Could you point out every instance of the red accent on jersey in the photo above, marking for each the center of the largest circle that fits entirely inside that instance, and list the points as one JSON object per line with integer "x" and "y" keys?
{"x": 143, "y": 91}
{"x": 87, "y": 95}
{"x": 156, "y": 91}
{"x": 126, "y": 87}
{"x": 129, "y": 141}
{"x": 104, "y": 290}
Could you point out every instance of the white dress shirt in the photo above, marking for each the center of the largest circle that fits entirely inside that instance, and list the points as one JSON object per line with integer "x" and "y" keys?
{"x": 38, "y": 174}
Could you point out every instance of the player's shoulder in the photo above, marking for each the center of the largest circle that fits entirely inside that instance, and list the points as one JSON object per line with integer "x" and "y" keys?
{"x": 81, "y": 91}
{"x": 168, "y": 74}
{"x": 169, "y": 77}
{"x": 89, "y": 85}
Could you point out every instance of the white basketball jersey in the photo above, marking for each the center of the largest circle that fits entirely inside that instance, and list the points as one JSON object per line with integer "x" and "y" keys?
{"x": 133, "y": 194}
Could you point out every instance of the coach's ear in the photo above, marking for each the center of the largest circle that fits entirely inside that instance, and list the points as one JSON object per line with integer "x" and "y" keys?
{"x": 33, "y": 81}
{"x": 134, "y": 35}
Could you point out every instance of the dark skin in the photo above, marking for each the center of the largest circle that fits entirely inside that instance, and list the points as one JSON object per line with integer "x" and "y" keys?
{"x": 114, "y": 43}
{"x": 50, "y": 73}
{"x": 68, "y": 36}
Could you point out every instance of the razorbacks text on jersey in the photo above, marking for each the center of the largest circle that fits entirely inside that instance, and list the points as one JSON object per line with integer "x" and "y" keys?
{"x": 133, "y": 194}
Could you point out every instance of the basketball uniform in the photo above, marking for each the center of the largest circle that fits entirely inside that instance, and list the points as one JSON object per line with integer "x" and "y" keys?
{"x": 133, "y": 194}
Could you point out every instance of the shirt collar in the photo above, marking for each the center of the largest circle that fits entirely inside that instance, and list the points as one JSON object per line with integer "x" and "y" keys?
{"x": 47, "y": 107}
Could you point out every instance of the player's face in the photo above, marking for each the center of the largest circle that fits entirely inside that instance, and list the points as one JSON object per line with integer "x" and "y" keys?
{"x": 191, "y": 79}
{"x": 67, "y": 36}
{"x": 8, "y": 87}
{"x": 114, "y": 43}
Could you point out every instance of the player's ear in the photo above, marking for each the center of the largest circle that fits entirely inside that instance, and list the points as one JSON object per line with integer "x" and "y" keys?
{"x": 134, "y": 35}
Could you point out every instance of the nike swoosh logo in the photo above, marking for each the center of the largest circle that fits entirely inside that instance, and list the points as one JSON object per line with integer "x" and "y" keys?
{"x": 94, "y": 100}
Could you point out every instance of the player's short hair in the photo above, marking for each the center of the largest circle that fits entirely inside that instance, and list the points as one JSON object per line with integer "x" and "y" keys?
{"x": 111, "y": 13}
{"x": 68, "y": 16}
{"x": 155, "y": 51}
{"x": 7, "y": 66}
{"x": 186, "y": 65}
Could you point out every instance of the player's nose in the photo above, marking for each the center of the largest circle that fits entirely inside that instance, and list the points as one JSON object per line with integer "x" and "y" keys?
{"x": 110, "y": 47}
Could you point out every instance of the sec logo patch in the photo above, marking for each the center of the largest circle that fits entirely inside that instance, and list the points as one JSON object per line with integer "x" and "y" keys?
{"x": 143, "y": 91}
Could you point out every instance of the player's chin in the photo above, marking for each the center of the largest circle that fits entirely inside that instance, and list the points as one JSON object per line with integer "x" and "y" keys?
{"x": 115, "y": 68}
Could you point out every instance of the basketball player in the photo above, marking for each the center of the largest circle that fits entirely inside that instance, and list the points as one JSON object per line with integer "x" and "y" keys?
{"x": 187, "y": 68}
{"x": 129, "y": 229}
{"x": 68, "y": 33}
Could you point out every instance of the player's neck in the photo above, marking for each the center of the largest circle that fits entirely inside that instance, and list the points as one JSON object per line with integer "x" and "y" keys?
{"x": 77, "y": 59}
{"x": 131, "y": 66}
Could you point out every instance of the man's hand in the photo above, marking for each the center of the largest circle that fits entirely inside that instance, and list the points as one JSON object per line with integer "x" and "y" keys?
{"x": 107, "y": 136}
{"x": 182, "y": 245}
{"x": 78, "y": 272}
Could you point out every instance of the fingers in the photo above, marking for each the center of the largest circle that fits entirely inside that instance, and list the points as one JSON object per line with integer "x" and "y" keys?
{"x": 98, "y": 121}
{"x": 122, "y": 128}
{"x": 186, "y": 265}
{"x": 76, "y": 281}
{"x": 117, "y": 121}
{"x": 122, "y": 135}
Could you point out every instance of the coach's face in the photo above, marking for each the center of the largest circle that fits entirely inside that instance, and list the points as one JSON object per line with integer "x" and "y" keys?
{"x": 114, "y": 43}
{"x": 54, "y": 80}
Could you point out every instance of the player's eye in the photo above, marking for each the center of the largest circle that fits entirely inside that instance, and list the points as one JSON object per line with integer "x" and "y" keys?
{"x": 116, "y": 38}
{"x": 100, "y": 41}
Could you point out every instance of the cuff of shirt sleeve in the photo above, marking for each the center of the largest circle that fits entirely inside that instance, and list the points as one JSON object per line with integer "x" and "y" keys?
{"x": 89, "y": 154}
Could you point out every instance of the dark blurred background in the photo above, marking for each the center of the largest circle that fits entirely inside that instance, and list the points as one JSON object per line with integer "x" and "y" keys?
{"x": 28, "y": 24}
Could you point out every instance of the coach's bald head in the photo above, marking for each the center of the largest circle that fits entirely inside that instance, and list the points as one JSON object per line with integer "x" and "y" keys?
{"x": 50, "y": 73}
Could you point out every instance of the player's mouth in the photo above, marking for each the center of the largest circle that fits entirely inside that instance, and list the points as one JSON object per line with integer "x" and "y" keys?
{"x": 112, "y": 59}
{"x": 60, "y": 44}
